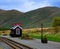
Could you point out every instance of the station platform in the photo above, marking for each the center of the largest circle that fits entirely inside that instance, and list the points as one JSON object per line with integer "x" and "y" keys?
{"x": 36, "y": 43}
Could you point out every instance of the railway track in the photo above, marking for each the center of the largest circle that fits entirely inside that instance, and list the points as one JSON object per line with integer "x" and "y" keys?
{"x": 13, "y": 44}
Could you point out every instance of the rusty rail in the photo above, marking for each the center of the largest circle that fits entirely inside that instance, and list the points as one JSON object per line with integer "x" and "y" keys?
{"x": 13, "y": 44}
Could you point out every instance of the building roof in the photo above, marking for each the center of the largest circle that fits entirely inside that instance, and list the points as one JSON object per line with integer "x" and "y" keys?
{"x": 14, "y": 27}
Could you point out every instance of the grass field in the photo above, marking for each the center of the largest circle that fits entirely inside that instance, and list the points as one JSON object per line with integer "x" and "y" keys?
{"x": 36, "y": 33}
{"x": 49, "y": 33}
{"x": 4, "y": 32}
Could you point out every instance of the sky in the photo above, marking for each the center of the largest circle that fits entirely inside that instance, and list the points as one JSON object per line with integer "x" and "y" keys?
{"x": 27, "y": 5}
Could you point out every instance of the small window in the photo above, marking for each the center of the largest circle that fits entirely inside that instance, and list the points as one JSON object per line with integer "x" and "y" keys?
{"x": 17, "y": 31}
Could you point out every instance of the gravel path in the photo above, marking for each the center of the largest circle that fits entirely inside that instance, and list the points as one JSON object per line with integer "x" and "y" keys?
{"x": 36, "y": 43}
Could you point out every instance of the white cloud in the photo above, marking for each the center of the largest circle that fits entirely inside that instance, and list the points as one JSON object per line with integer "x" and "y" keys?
{"x": 31, "y": 5}
{"x": 25, "y": 5}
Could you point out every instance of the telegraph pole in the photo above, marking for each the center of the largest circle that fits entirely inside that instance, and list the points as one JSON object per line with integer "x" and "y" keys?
{"x": 43, "y": 39}
{"x": 41, "y": 31}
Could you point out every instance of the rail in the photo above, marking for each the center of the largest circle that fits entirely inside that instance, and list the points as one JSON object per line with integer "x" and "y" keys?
{"x": 14, "y": 44}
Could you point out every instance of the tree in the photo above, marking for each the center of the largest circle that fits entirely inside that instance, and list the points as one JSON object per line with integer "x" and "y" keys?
{"x": 56, "y": 23}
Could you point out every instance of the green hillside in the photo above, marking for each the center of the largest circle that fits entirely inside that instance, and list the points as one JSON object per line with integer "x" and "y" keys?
{"x": 31, "y": 19}
{"x": 7, "y": 15}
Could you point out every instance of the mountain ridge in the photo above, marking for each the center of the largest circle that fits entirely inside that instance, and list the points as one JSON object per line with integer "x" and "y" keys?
{"x": 30, "y": 19}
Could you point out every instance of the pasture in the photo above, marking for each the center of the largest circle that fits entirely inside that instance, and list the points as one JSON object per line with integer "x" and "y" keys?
{"x": 48, "y": 32}
{"x": 36, "y": 33}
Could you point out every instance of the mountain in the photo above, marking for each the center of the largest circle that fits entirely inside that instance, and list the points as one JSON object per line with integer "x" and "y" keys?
{"x": 30, "y": 19}
{"x": 7, "y": 15}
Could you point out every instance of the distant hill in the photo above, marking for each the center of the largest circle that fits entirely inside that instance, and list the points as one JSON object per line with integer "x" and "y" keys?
{"x": 31, "y": 19}
{"x": 7, "y": 15}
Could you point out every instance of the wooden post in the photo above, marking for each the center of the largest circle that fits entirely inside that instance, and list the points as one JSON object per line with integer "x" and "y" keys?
{"x": 41, "y": 31}
{"x": 43, "y": 39}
